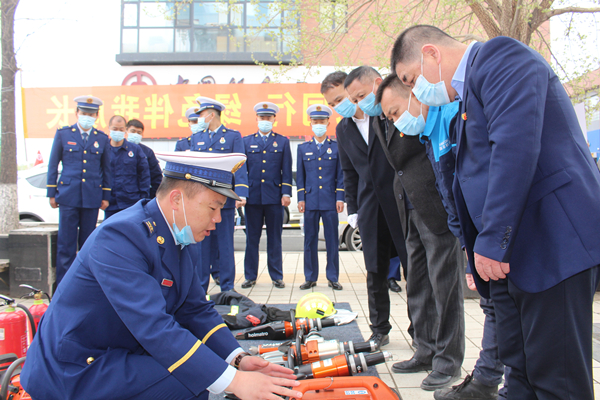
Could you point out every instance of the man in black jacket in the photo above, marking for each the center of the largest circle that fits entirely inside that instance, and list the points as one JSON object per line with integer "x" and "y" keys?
{"x": 369, "y": 197}
{"x": 435, "y": 264}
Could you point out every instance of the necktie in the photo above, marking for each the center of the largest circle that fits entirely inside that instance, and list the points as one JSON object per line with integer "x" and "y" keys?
{"x": 211, "y": 134}
{"x": 84, "y": 135}
{"x": 264, "y": 139}
{"x": 319, "y": 146}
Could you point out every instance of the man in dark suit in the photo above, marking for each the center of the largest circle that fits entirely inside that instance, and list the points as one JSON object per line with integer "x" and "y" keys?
{"x": 369, "y": 197}
{"x": 435, "y": 264}
{"x": 526, "y": 193}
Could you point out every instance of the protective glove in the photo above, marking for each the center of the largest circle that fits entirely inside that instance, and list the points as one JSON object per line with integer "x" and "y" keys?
{"x": 353, "y": 220}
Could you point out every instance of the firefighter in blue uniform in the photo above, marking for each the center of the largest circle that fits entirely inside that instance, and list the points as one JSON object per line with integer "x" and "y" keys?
{"x": 131, "y": 174}
{"x": 270, "y": 181}
{"x": 134, "y": 134}
{"x": 320, "y": 186}
{"x": 132, "y": 321}
{"x": 85, "y": 181}
{"x": 217, "y": 249}
{"x": 191, "y": 114}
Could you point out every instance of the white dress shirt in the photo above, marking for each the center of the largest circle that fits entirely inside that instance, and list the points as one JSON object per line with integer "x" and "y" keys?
{"x": 363, "y": 127}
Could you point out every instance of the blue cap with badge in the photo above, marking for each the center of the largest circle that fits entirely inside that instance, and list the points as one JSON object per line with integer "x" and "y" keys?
{"x": 214, "y": 171}
{"x": 192, "y": 113}
{"x": 88, "y": 103}
{"x": 318, "y": 111}
{"x": 208, "y": 103}
{"x": 266, "y": 108}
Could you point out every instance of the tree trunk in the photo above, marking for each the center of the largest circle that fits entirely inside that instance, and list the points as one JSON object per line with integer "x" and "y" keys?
{"x": 9, "y": 209}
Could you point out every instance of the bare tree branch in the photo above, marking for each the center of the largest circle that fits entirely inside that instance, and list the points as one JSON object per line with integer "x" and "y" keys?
{"x": 487, "y": 21}
{"x": 559, "y": 11}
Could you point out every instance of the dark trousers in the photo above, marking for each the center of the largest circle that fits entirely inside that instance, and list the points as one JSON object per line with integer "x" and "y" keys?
{"x": 169, "y": 388}
{"x": 395, "y": 269}
{"x": 546, "y": 337}
{"x": 311, "y": 244}
{"x": 272, "y": 216}
{"x": 217, "y": 249}
{"x": 377, "y": 289}
{"x": 435, "y": 296}
{"x": 74, "y": 226}
{"x": 488, "y": 368}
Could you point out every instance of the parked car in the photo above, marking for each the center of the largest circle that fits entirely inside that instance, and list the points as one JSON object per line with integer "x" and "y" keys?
{"x": 33, "y": 203}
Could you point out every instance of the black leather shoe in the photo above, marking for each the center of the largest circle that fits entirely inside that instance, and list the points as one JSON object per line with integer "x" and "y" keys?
{"x": 469, "y": 389}
{"x": 380, "y": 339}
{"x": 308, "y": 285}
{"x": 334, "y": 285}
{"x": 248, "y": 283}
{"x": 279, "y": 283}
{"x": 393, "y": 285}
{"x": 436, "y": 380}
{"x": 409, "y": 366}
{"x": 217, "y": 280}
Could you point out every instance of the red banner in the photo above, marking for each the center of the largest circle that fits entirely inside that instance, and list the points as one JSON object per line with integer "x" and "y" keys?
{"x": 162, "y": 108}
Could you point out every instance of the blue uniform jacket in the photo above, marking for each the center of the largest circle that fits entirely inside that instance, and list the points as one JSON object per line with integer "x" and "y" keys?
{"x": 438, "y": 146}
{"x": 131, "y": 176}
{"x": 155, "y": 170}
{"x": 269, "y": 168}
{"x": 86, "y": 177}
{"x": 319, "y": 177}
{"x": 224, "y": 140}
{"x": 183, "y": 144}
{"x": 526, "y": 187}
{"x": 129, "y": 312}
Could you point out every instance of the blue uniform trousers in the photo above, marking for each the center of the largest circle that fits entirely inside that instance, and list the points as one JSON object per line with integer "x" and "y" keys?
{"x": 272, "y": 216}
{"x": 546, "y": 337}
{"x": 488, "y": 368}
{"x": 75, "y": 224}
{"x": 311, "y": 244}
{"x": 395, "y": 269}
{"x": 217, "y": 250}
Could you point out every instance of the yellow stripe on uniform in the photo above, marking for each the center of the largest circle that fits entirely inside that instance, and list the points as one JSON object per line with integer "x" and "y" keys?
{"x": 50, "y": 185}
{"x": 242, "y": 185}
{"x": 213, "y": 330}
{"x": 186, "y": 357}
{"x": 300, "y": 190}
{"x": 341, "y": 190}
{"x": 287, "y": 184}
{"x": 105, "y": 188}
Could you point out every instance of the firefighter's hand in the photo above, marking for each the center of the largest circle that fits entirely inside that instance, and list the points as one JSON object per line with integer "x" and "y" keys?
{"x": 471, "y": 282}
{"x": 339, "y": 205}
{"x": 259, "y": 364}
{"x": 285, "y": 201}
{"x": 240, "y": 203}
{"x": 252, "y": 385}
{"x": 53, "y": 202}
{"x": 490, "y": 269}
{"x": 301, "y": 206}
{"x": 104, "y": 205}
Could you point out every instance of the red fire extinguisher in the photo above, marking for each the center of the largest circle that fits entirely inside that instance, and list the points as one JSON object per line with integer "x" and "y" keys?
{"x": 39, "y": 307}
{"x": 13, "y": 328}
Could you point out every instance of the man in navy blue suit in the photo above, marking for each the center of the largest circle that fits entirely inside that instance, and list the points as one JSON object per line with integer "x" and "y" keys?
{"x": 526, "y": 192}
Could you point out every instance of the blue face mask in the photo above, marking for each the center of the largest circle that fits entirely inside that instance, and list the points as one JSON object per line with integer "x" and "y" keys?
{"x": 196, "y": 128}
{"x": 135, "y": 138}
{"x": 202, "y": 123}
{"x": 346, "y": 108}
{"x": 319, "y": 130}
{"x": 86, "y": 122}
{"x": 368, "y": 105}
{"x": 185, "y": 236}
{"x": 410, "y": 125}
{"x": 431, "y": 94}
{"x": 265, "y": 126}
{"x": 117, "y": 136}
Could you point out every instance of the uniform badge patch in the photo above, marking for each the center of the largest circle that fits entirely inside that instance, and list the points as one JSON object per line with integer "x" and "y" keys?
{"x": 237, "y": 166}
{"x": 222, "y": 140}
{"x": 130, "y": 154}
{"x": 72, "y": 143}
{"x": 96, "y": 145}
{"x": 308, "y": 154}
{"x": 464, "y": 116}
{"x": 167, "y": 283}
{"x": 329, "y": 150}
{"x": 200, "y": 143}
{"x": 253, "y": 146}
{"x": 275, "y": 144}
{"x": 160, "y": 240}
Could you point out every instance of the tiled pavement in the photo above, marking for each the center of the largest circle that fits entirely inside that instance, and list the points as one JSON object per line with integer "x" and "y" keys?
{"x": 352, "y": 277}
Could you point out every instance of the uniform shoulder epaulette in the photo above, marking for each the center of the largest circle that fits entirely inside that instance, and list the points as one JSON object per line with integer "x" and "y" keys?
{"x": 64, "y": 127}
{"x": 100, "y": 132}
{"x": 150, "y": 226}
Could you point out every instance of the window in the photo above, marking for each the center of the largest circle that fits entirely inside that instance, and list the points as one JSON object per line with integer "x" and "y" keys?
{"x": 333, "y": 14}
{"x": 204, "y": 32}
